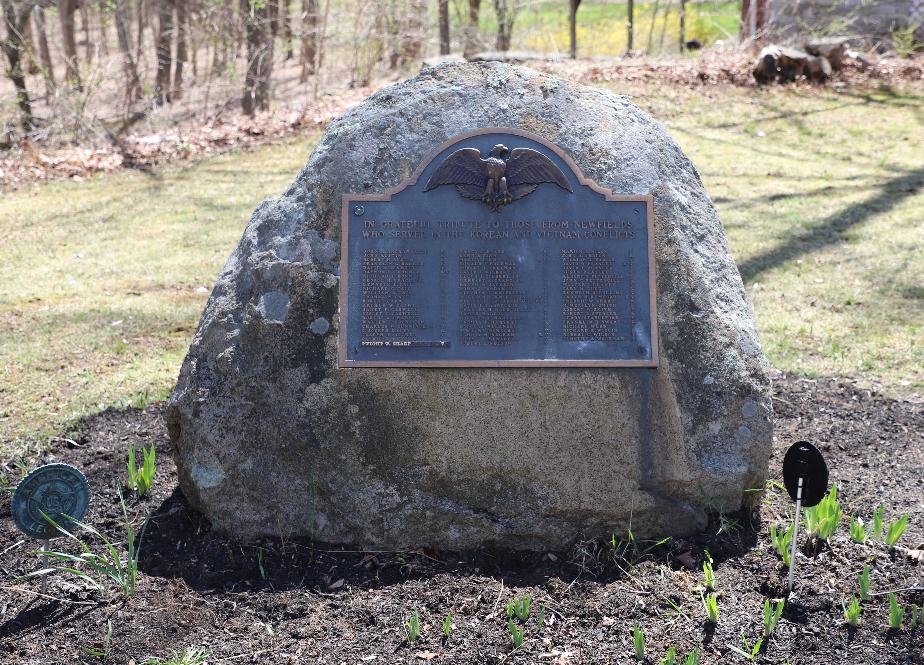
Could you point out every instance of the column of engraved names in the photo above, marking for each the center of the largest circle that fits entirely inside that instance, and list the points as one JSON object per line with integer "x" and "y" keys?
{"x": 389, "y": 280}
{"x": 490, "y": 304}
{"x": 589, "y": 297}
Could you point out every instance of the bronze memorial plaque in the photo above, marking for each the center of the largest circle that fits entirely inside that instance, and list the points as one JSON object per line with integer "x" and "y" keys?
{"x": 497, "y": 252}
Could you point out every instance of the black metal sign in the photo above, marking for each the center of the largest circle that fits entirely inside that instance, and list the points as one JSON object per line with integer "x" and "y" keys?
{"x": 497, "y": 252}
{"x": 805, "y": 461}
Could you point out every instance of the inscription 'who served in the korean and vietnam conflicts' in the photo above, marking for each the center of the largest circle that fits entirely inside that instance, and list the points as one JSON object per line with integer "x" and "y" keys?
{"x": 497, "y": 252}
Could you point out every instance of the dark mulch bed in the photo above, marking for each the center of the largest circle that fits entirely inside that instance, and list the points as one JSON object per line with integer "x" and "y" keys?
{"x": 314, "y": 603}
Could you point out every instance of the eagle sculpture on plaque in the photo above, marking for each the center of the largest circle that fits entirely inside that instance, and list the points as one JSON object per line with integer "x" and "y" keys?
{"x": 497, "y": 180}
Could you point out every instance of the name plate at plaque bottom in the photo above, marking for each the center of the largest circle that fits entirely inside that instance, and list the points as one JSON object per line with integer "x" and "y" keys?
{"x": 497, "y": 252}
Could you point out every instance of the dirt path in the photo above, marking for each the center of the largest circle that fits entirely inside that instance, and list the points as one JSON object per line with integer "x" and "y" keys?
{"x": 288, "y": 602}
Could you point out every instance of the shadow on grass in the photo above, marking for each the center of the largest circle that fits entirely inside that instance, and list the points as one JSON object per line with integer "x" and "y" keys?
{"x": 829, "y": 230}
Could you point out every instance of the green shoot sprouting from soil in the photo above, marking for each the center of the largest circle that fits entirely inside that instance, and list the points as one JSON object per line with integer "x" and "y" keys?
{"x": 821, "y": 521}
{"x": 191, "y": 656}
{"x": 142, "y": 479}
{"x": 782, "y": 540}
{"x": 750, "y": 651}
{"x": 857, "y": 531}
{"x": 895, "y": 531}
{"x": 863, "y": 583}
{"x": 709, "y": 573}
{"x": 638, "y": 642}
{"x": 670, "y": 658}
{"x": 447, "y": 626}
{"x": 896, "y": 613}
{"x": 102, "y": 651}
{"x": 878, "y": 514}
{"x": 711, "y": 605}
{"x": 772, "y": 616}
{"x": 852, "y": 612}
{"x": 520, "y": 608}
{"x": 412, "y": 627}
{"x": 516, "y": 633}
{"x": 692, "y": 658}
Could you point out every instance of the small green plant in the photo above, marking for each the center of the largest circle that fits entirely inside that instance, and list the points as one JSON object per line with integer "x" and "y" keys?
{"x": 540, "y": 617}
{"x": 895, "y": 531}
{"x": 750, "y": 651}
{"x": 709, "y": 573}
{"x": 107, "y": 564}
{"x": 915, "y": 616}
{"x": 670, "y": 658}
{"x": 852, "y": 612}
{"x": 629, "y": 549}
{"x": 447, "y": 626}
{"x": 520, "y": 608}
{"x": 102, "y": 651}
{"x": 863, "y": 583}
{"x": 821, "y": 521}
{"x": 692, "y": 658}
{"x": 412, "y": 627}
{"x": 260, "y": 563}
{"x": 858, "y": 531}
{"x": 904, "y": 41}
{"x": 876, "y": 531}
{"x": 772, "y": 614}
{"x": 5, "y": 484}
{"x": 516, "y": 633}
{"x": 190, "y": 656}
{"x": 896, "y": 613}
{"x": 782, "y": 542}
{"x": 142, "y": 479}
{"x": 638, "y": 642}
{"x": 711, "y": 605}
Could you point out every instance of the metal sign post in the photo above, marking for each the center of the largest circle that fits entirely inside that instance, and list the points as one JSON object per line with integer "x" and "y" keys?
{"x": 805, "y": 476}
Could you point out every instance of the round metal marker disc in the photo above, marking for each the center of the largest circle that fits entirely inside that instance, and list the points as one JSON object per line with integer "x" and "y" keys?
{"x": 805, "y": 461}
{"x": 56, "y": 490}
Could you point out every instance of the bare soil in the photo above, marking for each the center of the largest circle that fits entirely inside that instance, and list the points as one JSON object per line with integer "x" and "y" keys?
{"x": 285, "y": 601}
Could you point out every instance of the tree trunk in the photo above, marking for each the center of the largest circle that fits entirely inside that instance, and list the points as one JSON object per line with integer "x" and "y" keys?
{"x": 630, "y": 26}
{"x": 132, "y": 82}
{"x": 15, "y": 19}
{"x": 285, "y": 18}
{"x": 66, "y": 10}
{"x": 572, "y": 26}
{"x": 85, "y": 28}
{"x": 259, "y": 58}
{"x": 139, "y": 45}
{"x": 444, "y": 27}
{"x": 471, "y": 31}
{"x": 506, "y": 13}
{"x": 164, "y": 52}
{"x": 182, "y": 41}
{"x": 41, "y": 35}
{"x": 683, "y": 26}
{"x": 309, "y": 49}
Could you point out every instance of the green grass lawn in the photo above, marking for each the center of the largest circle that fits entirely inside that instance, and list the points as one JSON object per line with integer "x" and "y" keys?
{"x": 602, "y": 25}
{"x": 102, "y": 282}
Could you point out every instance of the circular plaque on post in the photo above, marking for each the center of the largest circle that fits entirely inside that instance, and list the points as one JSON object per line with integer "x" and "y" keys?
{"x": 803, "y": 460}
{"x": 57, "y": 490}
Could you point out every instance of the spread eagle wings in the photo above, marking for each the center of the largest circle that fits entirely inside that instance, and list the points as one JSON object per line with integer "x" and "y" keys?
{"x": 463, "y": 167}
{"x": 530, "y": 167}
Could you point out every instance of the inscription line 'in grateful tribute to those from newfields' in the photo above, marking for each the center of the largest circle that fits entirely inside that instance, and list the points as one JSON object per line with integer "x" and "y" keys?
{"x": 514, "y": 259}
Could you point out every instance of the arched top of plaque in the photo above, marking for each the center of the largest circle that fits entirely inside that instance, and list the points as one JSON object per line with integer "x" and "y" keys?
{"x": 496, "y": 252}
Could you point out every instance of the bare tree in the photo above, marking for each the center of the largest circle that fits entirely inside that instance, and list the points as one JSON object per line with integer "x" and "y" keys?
{"x": 630, "y": 25}
{"x": 309, "y": 50}
{"x": 471, "y": 31}
{"x": 572, "y": 25}
{"x": 66, "y": 10}
{"x": 683, "y": 26}
{"x": 164, "y": 51}
{"x": 132, "y": 82}
{"x": 506, "y": 11}
{"x": 15, "y": 18}
{"x": 85, "y": 27}
{"x": 285, "y": 18}
{"x": 41, "y": 35}
{"x": 444, "y": 27}
{"x": 182, "y": 48}
{"x": 259, "y": 57}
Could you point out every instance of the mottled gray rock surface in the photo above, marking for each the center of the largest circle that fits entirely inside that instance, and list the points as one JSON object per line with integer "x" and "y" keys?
{"x": 271, "y": 438}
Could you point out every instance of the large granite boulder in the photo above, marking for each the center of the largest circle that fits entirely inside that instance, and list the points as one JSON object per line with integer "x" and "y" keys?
{"x": 273, "y": 439}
